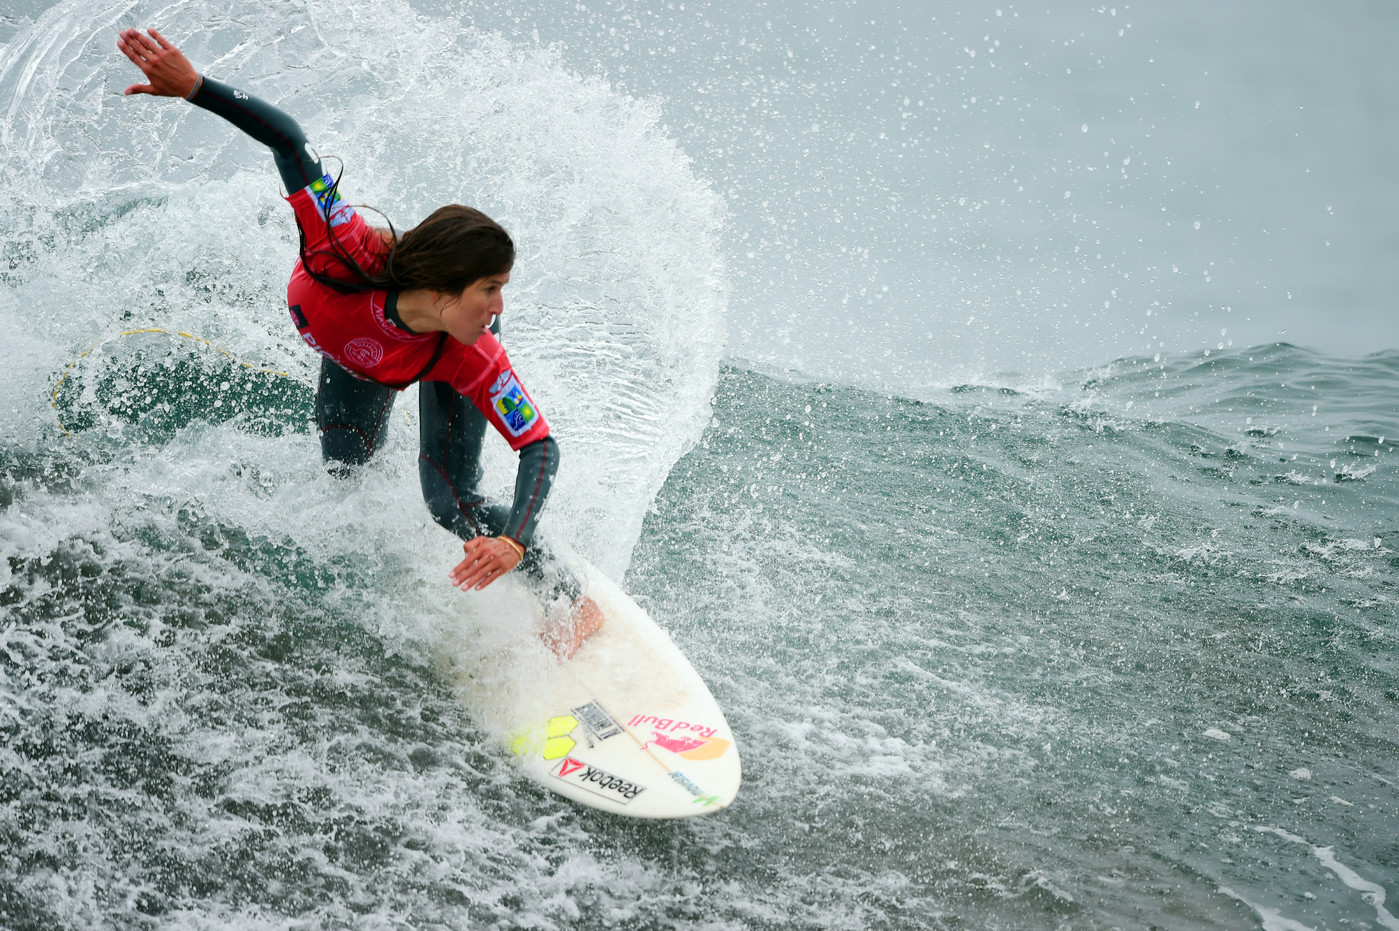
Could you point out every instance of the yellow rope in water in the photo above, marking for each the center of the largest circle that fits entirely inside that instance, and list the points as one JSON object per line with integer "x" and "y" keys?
{"x": 53, "y": 399}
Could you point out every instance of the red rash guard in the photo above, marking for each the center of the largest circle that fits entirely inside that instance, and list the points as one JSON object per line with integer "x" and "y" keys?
{"x": 362, "y": 332}
{"x": 365, "y": 335}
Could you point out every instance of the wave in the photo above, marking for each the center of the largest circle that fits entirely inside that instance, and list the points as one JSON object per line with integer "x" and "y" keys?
{"x": 134, "y": 213}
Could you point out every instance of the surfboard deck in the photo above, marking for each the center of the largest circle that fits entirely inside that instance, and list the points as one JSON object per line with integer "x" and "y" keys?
{"x": 626, "y": 725}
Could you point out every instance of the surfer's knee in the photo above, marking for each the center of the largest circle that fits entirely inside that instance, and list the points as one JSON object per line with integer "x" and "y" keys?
{"x": 566, "y": 635}
{"x": 351, "y": 415}
{"x": 343, "y": 447}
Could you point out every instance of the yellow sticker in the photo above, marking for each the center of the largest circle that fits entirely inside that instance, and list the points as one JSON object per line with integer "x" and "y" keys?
{"x": 561, "y": 726}
{"x": 557, "y": 743}
{"x": 557, "y": 747}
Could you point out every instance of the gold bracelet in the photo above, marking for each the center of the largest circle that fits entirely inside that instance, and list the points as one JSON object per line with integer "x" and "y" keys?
{"x": 514, "y": 544}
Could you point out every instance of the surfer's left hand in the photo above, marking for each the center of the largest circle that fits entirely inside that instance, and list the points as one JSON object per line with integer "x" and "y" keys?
{"x": 168, "y": 70}
{"x": 487, "y": 559}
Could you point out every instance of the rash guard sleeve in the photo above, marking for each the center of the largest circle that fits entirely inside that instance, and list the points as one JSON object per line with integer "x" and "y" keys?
{"x": 296, "y": 162}
{"x": 538, "y": 463}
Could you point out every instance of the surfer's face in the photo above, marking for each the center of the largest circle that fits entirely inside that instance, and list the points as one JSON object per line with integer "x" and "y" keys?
{"x": 467, "y": 315}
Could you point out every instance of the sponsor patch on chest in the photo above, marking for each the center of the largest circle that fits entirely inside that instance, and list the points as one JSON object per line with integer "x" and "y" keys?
{"x": 512, "y": 405}
{"x": 364, "y": 352}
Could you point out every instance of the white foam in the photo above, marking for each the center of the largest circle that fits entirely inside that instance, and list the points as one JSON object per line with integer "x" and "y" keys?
{"x": 153, "y": 213}
{"x": 1273, "y": 920}
{"x": 1372, "y": 893}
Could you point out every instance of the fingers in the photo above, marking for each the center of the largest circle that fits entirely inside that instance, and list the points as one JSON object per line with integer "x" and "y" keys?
{"x": 476, "y": 575}
{"x": 167, "y": 71}
{"x": 487, "y": 559}
{"x": 129, "y": 50}
{"x": 142, "y": 49}
{"x": 135, "y": 45}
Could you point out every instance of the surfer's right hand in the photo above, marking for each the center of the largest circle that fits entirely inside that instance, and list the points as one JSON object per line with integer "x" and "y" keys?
{"x": 166, "y": 68}
{"x": 487, "y": 559}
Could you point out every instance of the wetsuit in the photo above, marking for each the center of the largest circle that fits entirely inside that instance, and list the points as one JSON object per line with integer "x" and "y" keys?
{"x": 368, "y": 355}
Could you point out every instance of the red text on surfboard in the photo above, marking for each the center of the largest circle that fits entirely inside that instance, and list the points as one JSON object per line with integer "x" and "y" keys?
{"x": 664, "y": 725}
{"x": 691, "y": 741}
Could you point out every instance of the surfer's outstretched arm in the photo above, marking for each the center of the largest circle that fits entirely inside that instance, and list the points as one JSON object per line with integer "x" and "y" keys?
{"x": 169, "y": 74}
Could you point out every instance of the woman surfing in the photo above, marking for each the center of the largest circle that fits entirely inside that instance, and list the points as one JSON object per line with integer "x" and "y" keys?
{"x": 387, "y": 310}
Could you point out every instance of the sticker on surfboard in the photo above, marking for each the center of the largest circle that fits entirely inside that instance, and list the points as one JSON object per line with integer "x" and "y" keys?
{"x": 597, "y": 781}
{"x": 597, "y": 721}
{"x": 559, "y": 738}
{"x": 685, "y": 783}
{"x": 628, "y": 727}
{"x": 683, "y": 738}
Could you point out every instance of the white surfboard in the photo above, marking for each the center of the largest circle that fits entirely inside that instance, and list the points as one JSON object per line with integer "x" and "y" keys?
{"x": 626, "y": 725}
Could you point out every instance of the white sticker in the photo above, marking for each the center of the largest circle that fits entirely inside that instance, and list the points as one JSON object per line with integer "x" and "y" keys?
{"x": 597, "y": 781}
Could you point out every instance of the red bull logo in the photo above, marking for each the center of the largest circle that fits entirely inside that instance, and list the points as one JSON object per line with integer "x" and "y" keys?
{"x": 683, "y": 738}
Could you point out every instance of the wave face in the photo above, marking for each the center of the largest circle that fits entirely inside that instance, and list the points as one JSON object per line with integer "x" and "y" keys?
{"x": 124, "y": 213}
{"x": 1114, "y": 651}
{"x": 1114, "y": 647}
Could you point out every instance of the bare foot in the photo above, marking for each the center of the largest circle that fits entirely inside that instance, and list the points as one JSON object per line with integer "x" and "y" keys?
{"x": 565, "y": 636}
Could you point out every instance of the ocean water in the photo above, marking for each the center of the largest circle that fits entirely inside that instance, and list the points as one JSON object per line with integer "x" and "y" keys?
{"x": 1088, "y": 635}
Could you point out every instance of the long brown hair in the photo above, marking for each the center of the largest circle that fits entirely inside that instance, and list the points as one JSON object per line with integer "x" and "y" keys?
{"x": 449, "y": 250}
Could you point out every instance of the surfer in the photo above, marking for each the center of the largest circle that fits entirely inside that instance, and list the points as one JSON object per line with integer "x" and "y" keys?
{"x": 386, "y": 310}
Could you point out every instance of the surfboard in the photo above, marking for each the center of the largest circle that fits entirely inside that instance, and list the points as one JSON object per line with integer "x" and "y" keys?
{"x": 626, "y": 725}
